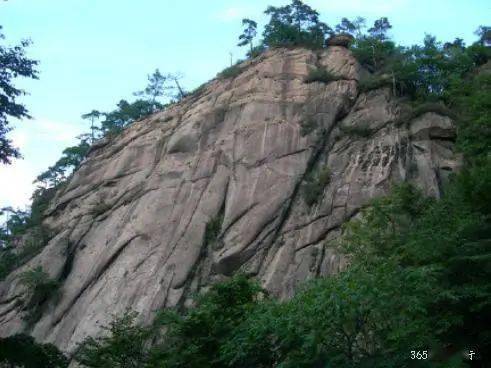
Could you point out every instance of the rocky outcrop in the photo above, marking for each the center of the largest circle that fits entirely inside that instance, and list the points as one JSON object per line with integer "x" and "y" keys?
{"x": 133, "y": 224}
{"x": 342, "y": 39}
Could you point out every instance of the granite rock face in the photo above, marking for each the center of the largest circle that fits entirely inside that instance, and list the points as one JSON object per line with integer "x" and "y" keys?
{"x": 132, "y": 225}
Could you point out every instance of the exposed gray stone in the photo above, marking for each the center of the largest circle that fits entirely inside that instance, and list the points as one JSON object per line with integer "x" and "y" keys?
{"x": 132, "y": 220}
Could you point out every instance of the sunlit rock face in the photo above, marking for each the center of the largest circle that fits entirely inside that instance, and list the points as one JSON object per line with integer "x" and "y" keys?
{"x": 131, "y": 225}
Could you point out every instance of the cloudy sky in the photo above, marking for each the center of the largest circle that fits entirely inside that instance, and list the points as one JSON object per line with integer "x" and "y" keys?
{"x": 93, "y": 53}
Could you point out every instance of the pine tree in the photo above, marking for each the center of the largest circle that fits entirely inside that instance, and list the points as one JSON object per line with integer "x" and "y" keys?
{"x": 249, "y": 33}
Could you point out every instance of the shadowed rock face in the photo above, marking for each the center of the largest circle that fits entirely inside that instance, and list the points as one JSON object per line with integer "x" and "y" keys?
{"x": 131, "y": 225}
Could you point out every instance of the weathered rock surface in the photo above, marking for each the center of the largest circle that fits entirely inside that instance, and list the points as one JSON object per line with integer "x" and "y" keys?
{"x": 130, "y": 226}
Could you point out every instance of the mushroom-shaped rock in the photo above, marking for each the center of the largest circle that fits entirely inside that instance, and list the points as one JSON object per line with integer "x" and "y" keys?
{"x": 342, "y": 39}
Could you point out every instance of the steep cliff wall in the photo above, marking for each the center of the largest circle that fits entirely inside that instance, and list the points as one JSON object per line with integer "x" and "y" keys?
{"x": 217, "y": 183}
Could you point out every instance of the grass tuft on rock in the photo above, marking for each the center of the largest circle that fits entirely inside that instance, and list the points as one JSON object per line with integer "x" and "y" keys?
{"x": 314, "y": 185}
{"x": 308, "y": 126}
{"x": 231, "y": 72}
{"x": 40, "y": 287}
{"x": 213, "y": 228}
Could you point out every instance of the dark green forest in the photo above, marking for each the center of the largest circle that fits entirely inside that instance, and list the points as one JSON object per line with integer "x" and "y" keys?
{"x": 420, "y": 268}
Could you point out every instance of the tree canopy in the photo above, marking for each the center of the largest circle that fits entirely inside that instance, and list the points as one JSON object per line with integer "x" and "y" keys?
{"x": 13, "y": 64}
{"x": 296, "y": 24}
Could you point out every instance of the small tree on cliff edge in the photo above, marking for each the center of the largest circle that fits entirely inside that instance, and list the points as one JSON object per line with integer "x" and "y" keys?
{"x": 156, "y": 86}
{"x": 249, "y": 32}
{"x": 92, "y": 116}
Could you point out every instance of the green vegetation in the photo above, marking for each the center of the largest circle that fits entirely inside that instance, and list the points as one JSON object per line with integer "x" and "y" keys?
{"x": 372, "y": 82}
{"x": 320, "y": 75}
{"x": 470, "y": 98}
{"x": 248, "y": 34}
{"x": 213, "y": 229}
{"x": 423, "y": 73}
{"x": 40, "y": 288}
{"x": 123, "y": 347}
{"x": 23, "y": 351}
{"x": 256, "y": 51}
{"x": 198, "y": 90}
{"x": 308, "y": 127}
{"x": 296, "y": 24}
{"x": 193, "y": 339}
{"x": 420, "y": 108}
{"x": 314, "y": 184}
{"x": 13, "y": 64}
{"x": 25, "y": 227}
{"x": 231, "y": 71}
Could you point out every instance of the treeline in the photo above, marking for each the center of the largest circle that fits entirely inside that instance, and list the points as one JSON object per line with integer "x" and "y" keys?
{"x": 422, "y": 72}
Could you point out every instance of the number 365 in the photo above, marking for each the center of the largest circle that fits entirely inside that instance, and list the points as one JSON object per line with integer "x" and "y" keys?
{"x": 420, "y": 355}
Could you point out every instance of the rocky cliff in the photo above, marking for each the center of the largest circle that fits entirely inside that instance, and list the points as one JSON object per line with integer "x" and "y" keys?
{"x": 254, "y": 173}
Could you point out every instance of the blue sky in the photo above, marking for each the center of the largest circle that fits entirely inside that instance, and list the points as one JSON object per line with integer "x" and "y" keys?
{"x": 93, "y": 53}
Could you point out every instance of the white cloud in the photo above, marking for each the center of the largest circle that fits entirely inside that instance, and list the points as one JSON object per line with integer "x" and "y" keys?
{"x": 16, "y": 184}
{"x": 55, "y": 131}
{"x": 41, "y": 142}
{"x": 233, "y": 13}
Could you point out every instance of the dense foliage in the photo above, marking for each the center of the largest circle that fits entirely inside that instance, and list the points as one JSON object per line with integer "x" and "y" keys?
{"x": 13, "y": 63}
{"x": 22, "y": 351}
{"x": 295, "y": 24}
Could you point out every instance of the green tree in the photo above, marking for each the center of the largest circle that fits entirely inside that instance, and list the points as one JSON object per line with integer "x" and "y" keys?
{"x": 176, "y": 77}
{"x": 156, "y": 87}
{"x": 353, "y": 27}
{"x": 13, "y": 63}
{"x": 484, "y": 33}
{"x": 92, "y": 116}
{"x": 471, "y": 97}
{"x": 21, "y": 228}
{"x": 40, "y": 288}
{"x": 296, "y": 24}
{"x": 194, "y": 339}
{"x": 360, "y": 318}
{"x": 248, "y": 34}
{"x": 127, "y": 113}
{"x": 375, "y": 49}
{"x": 23, "y": 351}
{"x": 380, "y": 28}
{"x": 15, "y": 223}
{"x": 125, "y": 345}
{"x": 70, "y": 160}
